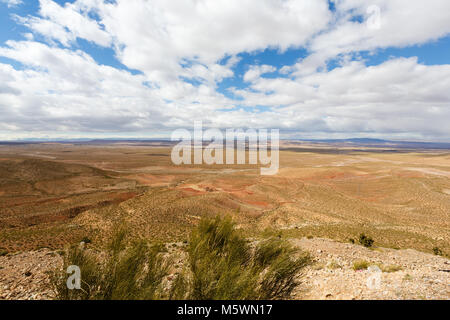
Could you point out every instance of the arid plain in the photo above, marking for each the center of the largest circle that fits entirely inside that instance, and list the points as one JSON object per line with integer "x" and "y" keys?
{"x": 323, "y": 197}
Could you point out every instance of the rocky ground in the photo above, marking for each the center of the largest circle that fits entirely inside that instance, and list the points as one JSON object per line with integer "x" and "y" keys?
{"x": 331, "y": 276}
{"x": 422, "y": 276}
{"x": 24, "y": 276}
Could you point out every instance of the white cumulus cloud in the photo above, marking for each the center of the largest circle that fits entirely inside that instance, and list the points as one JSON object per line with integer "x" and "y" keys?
{"x": 183, "y": 49}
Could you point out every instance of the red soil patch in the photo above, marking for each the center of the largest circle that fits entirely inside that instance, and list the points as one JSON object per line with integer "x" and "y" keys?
{"x": 191, "y": 191}
{"x": 120, "y": 197}
{"x": 38, "y": 218}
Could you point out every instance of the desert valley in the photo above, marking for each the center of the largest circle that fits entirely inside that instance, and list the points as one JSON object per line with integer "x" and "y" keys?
{"x": 324, "y": 197}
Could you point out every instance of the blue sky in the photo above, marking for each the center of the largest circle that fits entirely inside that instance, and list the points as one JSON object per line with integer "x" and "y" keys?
{"x": 432, "y": 53}
{"x": 316, "y": 70}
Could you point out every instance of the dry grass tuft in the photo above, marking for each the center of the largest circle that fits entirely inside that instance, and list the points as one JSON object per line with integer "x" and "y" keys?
{"x": 222, "y": 265}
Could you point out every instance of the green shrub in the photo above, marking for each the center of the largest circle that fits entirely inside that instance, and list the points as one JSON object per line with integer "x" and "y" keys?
{"x": 222, "y": 265}
{"x": 134, "y": 271}
{"x": 365, "y": 240}
{"x": 361, "y": 265}
{"x": 274, "y": 257}
{"x": 271, "y": 233}
{"x": 3, "y": 252}
{"x": 86, "y": 240}
{"x": 438, "y": 251}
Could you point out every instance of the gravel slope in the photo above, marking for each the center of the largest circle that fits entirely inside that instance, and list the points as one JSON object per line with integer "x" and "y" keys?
{"x": 422, "y": 276}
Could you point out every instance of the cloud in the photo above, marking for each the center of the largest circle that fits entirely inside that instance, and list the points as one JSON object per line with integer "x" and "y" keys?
{"x": 184, "y": 49}
{"x": 256, "y": 71}
{"x": 398, "y": 97}
{"x": 12, "y": 3}
{"x": 401, "y": 23}
{"x": 155, "y": 36}
{"x": 65, "y": 24}
{"x": 61, "y": 90}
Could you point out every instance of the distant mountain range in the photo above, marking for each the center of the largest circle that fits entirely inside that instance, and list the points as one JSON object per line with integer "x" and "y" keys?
{"x": 379, "y": 143}
{"x": 352, "y": 142}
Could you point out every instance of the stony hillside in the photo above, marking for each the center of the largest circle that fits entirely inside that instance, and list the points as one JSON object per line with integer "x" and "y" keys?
{"x": 331, "y": 276}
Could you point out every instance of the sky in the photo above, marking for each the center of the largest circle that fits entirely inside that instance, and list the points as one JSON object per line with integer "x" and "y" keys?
{"x": 315, "y": 69}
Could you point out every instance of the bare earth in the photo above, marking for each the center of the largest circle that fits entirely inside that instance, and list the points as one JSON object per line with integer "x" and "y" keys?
{"x": 423, "y": 276}
{"x": 53, "y": 195}
{"x": 23, "y": 276}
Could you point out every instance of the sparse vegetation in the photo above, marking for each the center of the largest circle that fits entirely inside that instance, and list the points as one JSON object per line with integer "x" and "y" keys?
{"x": 48, "y": 203}
{"x": 86, "y": 240}
{"x": 271, "y": 233}
{"x": 390, "y": 268}
{"x": 407, "y": 277}
{"x": 134, "y": 271}
{"x": 36, "y": 186}
{"x": 361, "y": 265}
{"x": 437, "y": 251}
{"x": 365, "y": 240}
{"x": 333, "y": 265}
{"x": 222, "y": 265}
{"x": 318, "y": 266}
